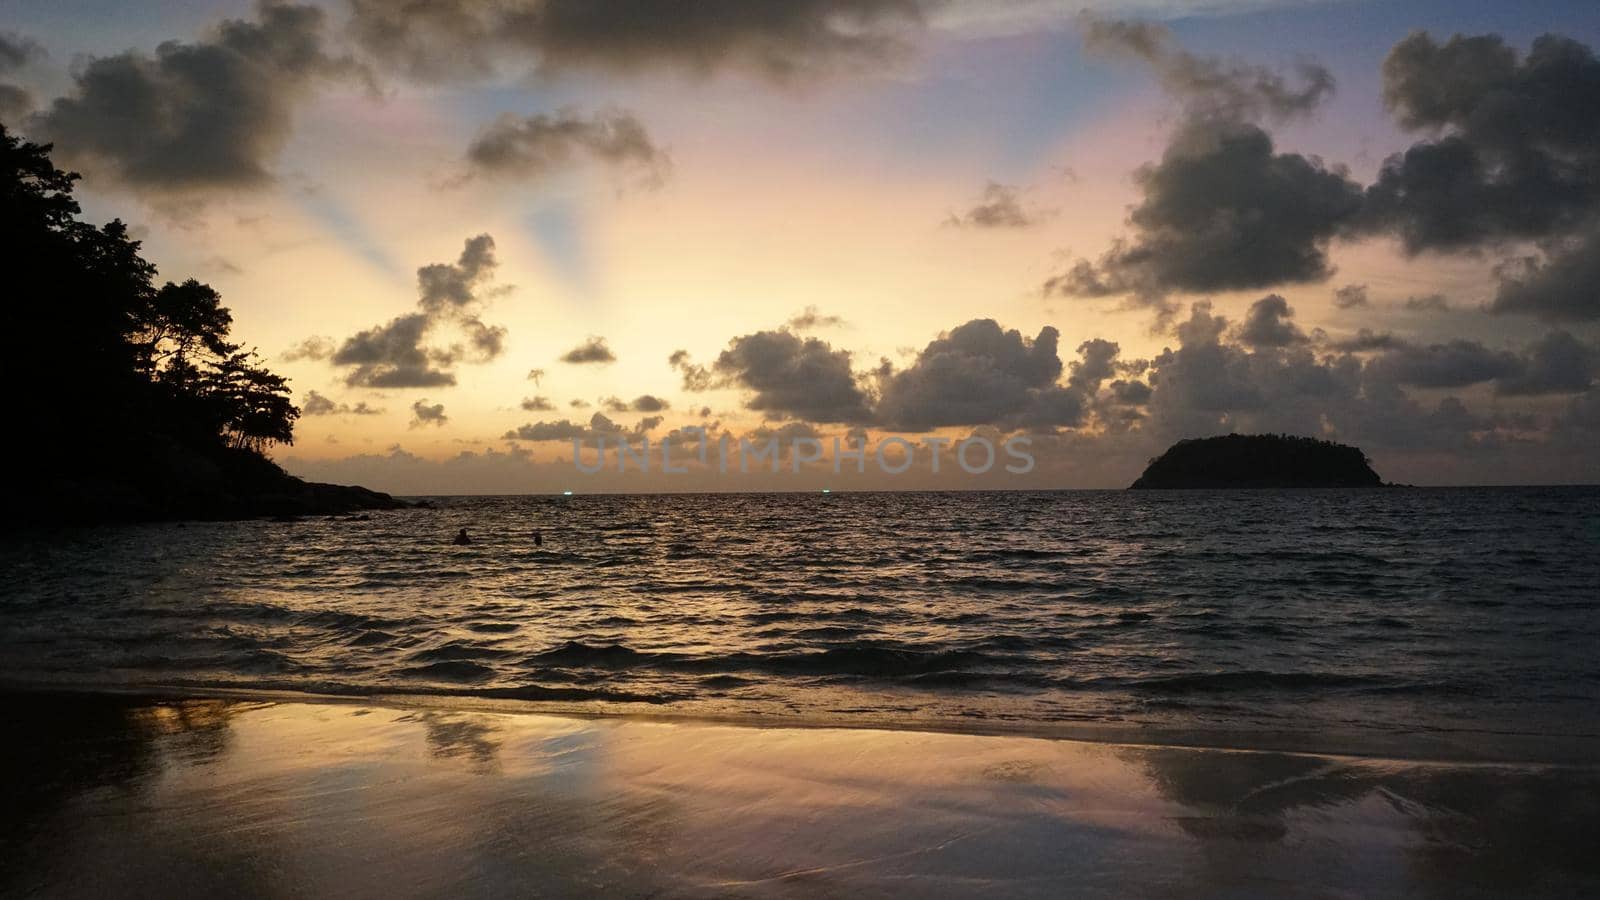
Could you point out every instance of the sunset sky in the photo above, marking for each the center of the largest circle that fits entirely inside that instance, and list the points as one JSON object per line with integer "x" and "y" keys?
{"x": 468, "y": 230}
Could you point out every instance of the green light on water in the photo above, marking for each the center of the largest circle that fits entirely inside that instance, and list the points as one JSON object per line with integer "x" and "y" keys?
{"x": 566, "y": 493}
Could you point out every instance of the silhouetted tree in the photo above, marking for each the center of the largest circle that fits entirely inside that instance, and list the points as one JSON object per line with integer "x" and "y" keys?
{"x": 101, "y": 358}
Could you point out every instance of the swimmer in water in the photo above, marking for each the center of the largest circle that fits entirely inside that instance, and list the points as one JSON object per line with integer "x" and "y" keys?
{"x": 461, "y": 538}
{"x": 538, "y": 539}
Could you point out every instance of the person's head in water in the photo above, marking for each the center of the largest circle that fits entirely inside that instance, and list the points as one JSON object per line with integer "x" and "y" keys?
{"x": 461, "y": 537}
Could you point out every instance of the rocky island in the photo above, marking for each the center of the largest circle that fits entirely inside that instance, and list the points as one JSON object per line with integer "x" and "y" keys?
{"x": 1258, "y": 461}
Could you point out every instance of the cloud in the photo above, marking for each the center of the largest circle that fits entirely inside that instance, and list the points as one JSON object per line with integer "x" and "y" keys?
{"x": 807, "y": 319}
{"x": 977, "y": 374}
{"x": 1222, "y": 211}
{"x": 1366, "y": 340}
{"x": 536, "y": 376}
{"x": 16, "y": 53}
{"x": 317, "y": 405}
{"x": 695, "y": 376}
{"x": 1210, "y": 87}
{"x": 205, "y": 115}
{"x": 312, "y": 348}
{"x": 1428, "y": 303}
{"x": 1452, "y": 364}
{"x": 784, "y": 40}
{"x": 1350, "y": 296}
{"x": 1269, "y": 324}
{"x": 1562, "y": 286}
{"x": 592, "y": 350}
{"x": 395, "y": 355}
{"x": 598, "y": 427}
{"x": 1514, "y": 146}
{"x": 423, "y": 414}
{"x": 529, "y": 148}
{"x": 998, "y": 207}
{"x": 537, "y": 404}
{"x": 1558, "y": 363}
{"x": 648, "y": 403}
{"x": 790, "y": 376}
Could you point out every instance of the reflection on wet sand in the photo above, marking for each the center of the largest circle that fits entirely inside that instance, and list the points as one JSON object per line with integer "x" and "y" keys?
{"x": 207, "y": 797}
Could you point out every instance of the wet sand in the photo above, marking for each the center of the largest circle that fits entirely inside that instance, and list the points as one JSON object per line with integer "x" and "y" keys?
{"x": 115, "y": 796}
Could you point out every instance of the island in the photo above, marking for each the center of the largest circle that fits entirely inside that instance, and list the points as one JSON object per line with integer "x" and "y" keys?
{"x": 1258, "y": 461}
{"x": 130, "y": 400}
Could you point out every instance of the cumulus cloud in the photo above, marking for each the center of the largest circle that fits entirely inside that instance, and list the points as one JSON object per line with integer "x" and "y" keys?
{"x": 592, "y": 350}
{"x": 598, "y": 427}
{"x": 780, "y": 39}
{"x": 209, "y": 114}
{"x": 529, "y": 148}
{"x": 1222, "y": 211}
{"x": 317, "y": 405}
{"x": 1514, "y": 146}
{"x": 397, "y": 355}
{"x": 695, "y": 376}
{"x": 999, "y": 206}
{"x": 1269, "y": 324}
{"x": 791, "y": 376}
{"x": 537, "y": 404}
{"x": 422, "y": 414}
{"x": 979, "y": 373}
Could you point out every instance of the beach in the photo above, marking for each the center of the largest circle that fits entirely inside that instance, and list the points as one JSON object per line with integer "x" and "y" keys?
{"x": 277, "y": 796}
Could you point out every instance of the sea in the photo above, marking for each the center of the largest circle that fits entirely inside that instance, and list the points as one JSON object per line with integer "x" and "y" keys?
{"x": 1327, "y": 620}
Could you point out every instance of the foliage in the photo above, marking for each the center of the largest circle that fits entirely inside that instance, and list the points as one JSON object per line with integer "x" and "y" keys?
{"x": 98, "y": 350}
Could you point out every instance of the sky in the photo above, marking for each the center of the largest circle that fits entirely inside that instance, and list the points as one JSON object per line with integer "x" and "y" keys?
{"x": 472, "y": 231}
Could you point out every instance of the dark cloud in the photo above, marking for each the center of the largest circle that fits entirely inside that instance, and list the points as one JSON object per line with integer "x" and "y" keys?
{"x": 695, "y": 376}
{"x": 537, "y": 404}
{"x": 16, "y": 52}
{"x": 1350, "y": 296}
{"x": 1209, "y": 87}
{"x": 1562, "y": 286}
{"x": 1223, "y": 211}
{"x": 592, "y": 350}
{"x": 396, "y": 355}
{"x": 978, "y": 374}
{"x": 807, "y": 319}
{"x": 1367, "y": 340}
{"x": 424, "y": 414}
{"x": 534, "y": 147}
{"x": 614, "y": 404}
{"x": 1515, "y": 151}
{"x": 536, "y": 376}
{"x": 1558, "y": 363}
{"x": 648, "y": 403}
{"x": 1452, "y": 364}
{"x": 1428, "y": 303}
{"x": 790, "y": 376}
{"x": 211, "y": 114}
{"x": 317, "y": 405}
{"x": 998, "y": 207}
{"x": 564, "y": 430}
{"x": 780, "y": 39}
{"x": 579, "y": 404}
{"x": 1270, "y": 324}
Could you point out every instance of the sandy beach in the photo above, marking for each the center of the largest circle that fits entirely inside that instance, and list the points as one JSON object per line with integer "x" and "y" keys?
{"x": 272, "y": 798}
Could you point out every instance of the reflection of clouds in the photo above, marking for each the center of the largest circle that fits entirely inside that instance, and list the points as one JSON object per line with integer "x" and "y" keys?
{"x": 468, "y": 738}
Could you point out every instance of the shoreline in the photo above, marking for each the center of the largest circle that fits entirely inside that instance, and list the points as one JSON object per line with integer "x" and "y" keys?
{"x": 1444, "y": 748}
{"x": 119, "y": 795}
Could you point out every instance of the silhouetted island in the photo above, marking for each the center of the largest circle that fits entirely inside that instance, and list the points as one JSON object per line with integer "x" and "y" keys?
{"x": 1258, "y": 461}
{"x": 129, "y": 401}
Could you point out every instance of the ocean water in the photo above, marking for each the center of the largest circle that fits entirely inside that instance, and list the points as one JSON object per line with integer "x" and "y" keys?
{"x": 1471, "y": 614}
